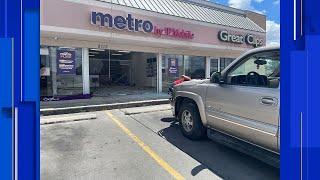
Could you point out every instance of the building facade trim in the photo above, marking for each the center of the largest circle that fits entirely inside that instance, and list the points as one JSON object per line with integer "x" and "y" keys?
{"x": 252, "y": 26}
{"x": 112, "y": 35}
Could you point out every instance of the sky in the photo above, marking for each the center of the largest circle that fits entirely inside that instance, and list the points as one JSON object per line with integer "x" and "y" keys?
{"x": 271, "y": 8}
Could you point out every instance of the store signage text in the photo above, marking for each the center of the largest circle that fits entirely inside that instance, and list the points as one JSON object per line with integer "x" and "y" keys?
{"x": 173, "y": 32}
{"x": 66, "y": 62}
{"x": 249, "y": 39}
{"x": 137, "y": 25}
{"x": 173, "y": 67}
{"x": 120, "y": 22}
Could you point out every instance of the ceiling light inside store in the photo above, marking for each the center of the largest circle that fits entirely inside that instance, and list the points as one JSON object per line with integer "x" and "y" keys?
{"x": 91, "y": 55}
{"x": 117, "y": 54}
{"x": 101, "y": 50}
{"x": 124, "y": 51}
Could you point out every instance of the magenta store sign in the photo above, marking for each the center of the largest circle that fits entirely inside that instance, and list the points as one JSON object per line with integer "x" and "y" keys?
{"x": 173, "y": 32}
{"x": 137, "y": 25}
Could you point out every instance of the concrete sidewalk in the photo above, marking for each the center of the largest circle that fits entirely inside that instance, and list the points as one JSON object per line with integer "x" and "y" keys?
{"x": 98, "y": 103}
{"x": 100, "y": 107}
{"x": 102, "y": 103}
{"x": 110, "y": 99}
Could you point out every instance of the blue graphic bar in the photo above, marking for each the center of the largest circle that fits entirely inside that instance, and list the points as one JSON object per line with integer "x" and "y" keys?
{"x": 19, "y": 123}
{"x": 6, "y": 109}
{"x": 300, "y": 125}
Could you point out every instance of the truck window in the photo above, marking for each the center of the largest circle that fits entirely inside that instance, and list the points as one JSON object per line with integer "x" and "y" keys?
{"x": 259, "y": 70}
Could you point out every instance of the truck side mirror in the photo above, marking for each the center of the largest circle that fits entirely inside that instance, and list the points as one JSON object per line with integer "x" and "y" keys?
{"x": 216, "y": 78}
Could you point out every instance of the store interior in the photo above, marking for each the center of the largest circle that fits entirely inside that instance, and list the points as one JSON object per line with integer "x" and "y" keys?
{"x": 121, "y": 72}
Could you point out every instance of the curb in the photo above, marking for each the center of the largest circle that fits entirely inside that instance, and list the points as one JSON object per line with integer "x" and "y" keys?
{"x": 101, "y": 107}
{"x": 148, "y": 109}
{"x": 70, "y": 118}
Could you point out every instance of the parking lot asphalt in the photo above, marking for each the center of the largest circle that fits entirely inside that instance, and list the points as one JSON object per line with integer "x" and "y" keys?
{"x": 143, "y": 145}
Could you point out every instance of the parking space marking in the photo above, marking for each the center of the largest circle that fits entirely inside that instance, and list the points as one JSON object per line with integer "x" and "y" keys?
{"x": 146, "y": 148}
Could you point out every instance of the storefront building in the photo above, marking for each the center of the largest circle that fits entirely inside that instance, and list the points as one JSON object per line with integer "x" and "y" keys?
{"x": 90, "y": 46}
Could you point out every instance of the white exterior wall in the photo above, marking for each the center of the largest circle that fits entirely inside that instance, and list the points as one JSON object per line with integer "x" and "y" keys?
{"x": 208, "y": 59}
{"x": 159, "y": 73}
{"x": 85, "y": 71}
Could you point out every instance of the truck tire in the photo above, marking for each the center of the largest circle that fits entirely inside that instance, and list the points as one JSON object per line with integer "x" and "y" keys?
{"x": 190, "y": 122}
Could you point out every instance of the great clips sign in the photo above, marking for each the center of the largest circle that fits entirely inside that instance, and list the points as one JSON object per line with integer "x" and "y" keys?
{"x": 248, "y": 39}
{"x": 137, "y": 25}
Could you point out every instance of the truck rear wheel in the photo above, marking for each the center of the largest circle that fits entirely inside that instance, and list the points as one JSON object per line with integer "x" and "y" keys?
{"x": 190, "y": 122}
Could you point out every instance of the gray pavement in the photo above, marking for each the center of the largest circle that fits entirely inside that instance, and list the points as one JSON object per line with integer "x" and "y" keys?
{"x": 99, "y": 149}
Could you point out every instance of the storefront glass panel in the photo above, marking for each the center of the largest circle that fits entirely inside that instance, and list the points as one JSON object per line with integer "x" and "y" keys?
{"x": 45, "y": 74}
{"x": 121, "y": 72}
{"x": 224, "y": 62}
{"x": 214, "y": 66}
{"x": 61, "y": 72}
{"x": 172, "y": 68}
{"x": 195, "y": 66}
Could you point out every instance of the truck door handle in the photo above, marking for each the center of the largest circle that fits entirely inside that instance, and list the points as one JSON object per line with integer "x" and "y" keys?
{"x": 268, "y": 101}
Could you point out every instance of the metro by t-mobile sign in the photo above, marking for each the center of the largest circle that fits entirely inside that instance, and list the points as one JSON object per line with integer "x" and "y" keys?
{"x": 137, "y": 25}
{"x": 173, "y": 32}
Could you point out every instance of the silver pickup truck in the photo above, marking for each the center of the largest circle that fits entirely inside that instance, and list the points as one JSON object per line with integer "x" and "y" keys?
{"x": 242, "y": 101}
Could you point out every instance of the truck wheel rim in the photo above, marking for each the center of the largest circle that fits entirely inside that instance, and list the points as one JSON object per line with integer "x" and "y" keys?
{"x": 187, "y": 121}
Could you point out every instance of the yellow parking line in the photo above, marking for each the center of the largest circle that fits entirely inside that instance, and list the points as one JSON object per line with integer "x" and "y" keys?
{"x": 147, "y": 149}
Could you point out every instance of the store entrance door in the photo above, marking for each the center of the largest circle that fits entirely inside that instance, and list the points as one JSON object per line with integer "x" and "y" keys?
{"x": 120, "y": 72}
